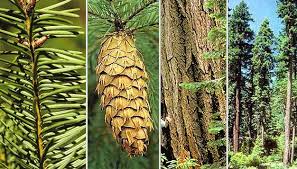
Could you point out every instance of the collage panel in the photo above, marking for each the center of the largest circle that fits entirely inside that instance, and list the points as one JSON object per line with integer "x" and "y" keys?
{"x": 193, "y": 78}
{"x": 262, "y": 84}
{"x": 123, "y": 86}
{"x": 148, "y": 84}
{"x": 42, "y": 84}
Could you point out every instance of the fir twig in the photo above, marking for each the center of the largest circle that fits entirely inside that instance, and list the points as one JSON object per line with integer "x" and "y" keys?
{"x": 100, "y": 17}
{"x": 138, "y": 11}
{"x": 144, "y": 26}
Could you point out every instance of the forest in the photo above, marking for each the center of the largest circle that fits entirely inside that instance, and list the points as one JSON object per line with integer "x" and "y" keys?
{"x": 262, "y": 89}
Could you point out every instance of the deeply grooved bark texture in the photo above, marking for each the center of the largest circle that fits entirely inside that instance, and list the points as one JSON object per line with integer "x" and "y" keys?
{"x": 185, "y": 26}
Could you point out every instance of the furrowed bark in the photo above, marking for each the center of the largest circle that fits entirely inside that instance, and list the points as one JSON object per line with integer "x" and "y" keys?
{"x": 293, "y": 144}
{"x": 236, "y": 126}
{"x": 288, "y": 116}
{"x": 184, "y": 30}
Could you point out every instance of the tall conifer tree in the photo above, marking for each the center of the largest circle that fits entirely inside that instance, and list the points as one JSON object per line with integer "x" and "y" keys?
{"x": 240, "y": 38}
{"x": 262, "y": 62}
{"x": 287, "y": 11}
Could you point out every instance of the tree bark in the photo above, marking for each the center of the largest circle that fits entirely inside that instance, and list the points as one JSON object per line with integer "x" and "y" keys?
{"x": 184, "y": 29}
{"x": 236, "y": 126}
{"x": 262, "y": 134}
{"x": 250, "y": 111}
{"x": 288, "y": 115}
{"x": 293, "y": 144}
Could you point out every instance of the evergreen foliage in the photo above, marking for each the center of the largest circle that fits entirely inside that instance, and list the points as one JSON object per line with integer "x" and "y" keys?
{"x": 240, "y": 71}
{"x": 262, "y": 62}
{"x": 42, "y": 91}
{"x": 287, "y": 11}
{"x": 240, "y": 40}
{"x": 268, "y": 74}
{"x": 177, "y": 164}
{"x": 217, "y": 35}
{"x": 210, "y": 86}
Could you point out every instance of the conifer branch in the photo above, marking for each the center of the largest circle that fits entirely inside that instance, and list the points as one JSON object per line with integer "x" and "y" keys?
{"x": 100, "y": 17}
{"x": 144, "y": 26}
{"x": 138, "y": 11}
{"x": 34, "y": 83}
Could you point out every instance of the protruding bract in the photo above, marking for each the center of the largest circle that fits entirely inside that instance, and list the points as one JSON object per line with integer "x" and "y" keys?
{"x": 122, "y": 85}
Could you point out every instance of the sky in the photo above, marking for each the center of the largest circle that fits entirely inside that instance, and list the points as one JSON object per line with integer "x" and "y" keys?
{"x": 261, "y": 9}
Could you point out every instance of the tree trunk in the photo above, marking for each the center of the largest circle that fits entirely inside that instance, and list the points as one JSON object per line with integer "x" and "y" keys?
{"x": 250, "y": 111}
{"x": 184, "y": 29}
{"x": 262, "y": 134}
{"x": 236, "y": 126}
{"x": 288, "y": 115}
{"x": 293, "y": 144}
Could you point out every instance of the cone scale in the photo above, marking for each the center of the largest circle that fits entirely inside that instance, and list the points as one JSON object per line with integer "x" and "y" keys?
{"x": 122, "y": 85}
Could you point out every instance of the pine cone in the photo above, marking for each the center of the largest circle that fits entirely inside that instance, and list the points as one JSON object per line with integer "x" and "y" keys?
{"x": 123, "y": 87}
